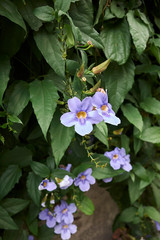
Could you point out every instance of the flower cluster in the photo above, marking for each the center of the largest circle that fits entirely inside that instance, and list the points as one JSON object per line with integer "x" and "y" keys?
{"x": 119, "y": 159}
{"x": 91, "y": 110}
{"x": 61, "y": 219}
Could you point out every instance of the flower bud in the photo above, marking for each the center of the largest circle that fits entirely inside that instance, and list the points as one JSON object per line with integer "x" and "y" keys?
{"x": 84, "y": 79}
{"x": 101, "y": 67}
{"x": 80, "y": 72}
{"x": 101, "y": 90}
{"x": 52, "y": 199}
{"x": 43, "y": 203}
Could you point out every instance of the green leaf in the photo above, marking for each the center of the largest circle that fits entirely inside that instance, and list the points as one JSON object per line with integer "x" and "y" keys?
{"x": 27, "y": 10}
{"x": 51, "y": 163}
{"x": 151, "y": 134}
{"x": 133, "y": 115}
{"x": 9, "y": 10}
{"x": 84, "y": 10}
{"x": 117, "y": 41}
{"x": 45, "y": 233}
{"x": 152, "y": 213}
{"x": 139, "y": 31}
{"x": 101, "y": 132}
{"x": 6, "y": 222}
{"x": 44, "y": 13}
{"x": 61, "y": 173}
{"x": 16, "y": 234}
{"x": 87, "y": 206}
{"x": 14, "y": 119}
{"x": 4, "y": 74}
{"x": 82, "y": 167}
{"x": 151, "y": 105}
{"x": 14, "y": 205}
{"x": 33, "y": 227}
{"x": 58, "y": 81}
{"x": 19, "y": 98}
{"x": 125, "y": 141}
{"x": 44, "y": 96}
{"x": 100, "y": 10}
{"x": 117, "y": 9}
{"x": 9, "y": 178}
{"x": 50, "y": 48}
{"x": 61, "y": 137}
{"x": 118, "y": 80}
{"x": 128, "y": 215}
{"x": 156, "y": 193}
{"x": 33, "y": 182}
{"x": 62, "y": 5}
{"x": 40, "y": 169}
{"x": 140, "y": 171}
{"x": 147, "y": 68}
{"x": 134, "y": 190}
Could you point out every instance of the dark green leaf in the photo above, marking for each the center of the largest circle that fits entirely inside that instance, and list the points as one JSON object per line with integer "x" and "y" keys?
{"x": 82, "y": 167}
{"x": 44, "y": 13}
{"x": 87, "y": 206}
{"x": 6, "y": 222}
{"x": 61, "y": 173}
{"x": 117, "y": 9}
{"x": 134, "y": 190}
{"x": 151, "y": 134}
{"x": 50, "y": 48}
{"x": 9, "y": 178}
{"x": 51, "y": 163}
{"x": 152, "y": 213}
{"x": 45, "y": 233}
{"x": 14, "y": 119}
{"x": 147, "y": 68}
{"x": 118, "y": 81}
{"x": 156, "y": 194}
{"x": 139, "y": 31}
{"x": 9, "y": 10}
{"x": 101, "y": 132}
{"x": 107, "y": 172}
{"x": 33, "y": 182}
{"x": 61, "y": 137}
{"x": 4, "y": 74}
{"x": 14, "y": 205}
{"x": 19, "y": 98}
{"x": 133, "y": 115}
{"x": 58, "y": 81}
{"x": 44, "y": 96}
{"x": 151, "y": 105}
{"x": 116, "y": 40}
{"x": 40, "y": 169}
{"x": 125, "y": 141}
{"x": 100, "y": 10}
{"x": 62, "y": 5}
{"x": 20, "y": 234}
{"x": 128, "y": 215}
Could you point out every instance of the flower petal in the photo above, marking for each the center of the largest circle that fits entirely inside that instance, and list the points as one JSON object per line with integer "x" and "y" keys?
{"x": 74, "y": 104}
{"x": 58, "y": 228}
{"x": 72, "y": 208}
{"x": 73, "y": 228}
{"x": 83, "y": 129}
{"x": 87, "y": 104}
{"x": 84, "y": 187}
{"x": 43, "y": 214}
{"x": 68, "y": 218}
{"x": 99, "y": 99}
{"x": 115, "y": 165}
{"x": 112, "y": 119}
{"x": 107, "y": 180}
{"x": 127, "y": 167}
{"x": 94, "y": 117}
{"x": 51, "y": 186}
{"x": 51, "y": 222}
{"x": 91, "y": 179}
{"x": 88, "y": 171}
{"x": 68, "y": 119}
{"x": 65, "y": 234}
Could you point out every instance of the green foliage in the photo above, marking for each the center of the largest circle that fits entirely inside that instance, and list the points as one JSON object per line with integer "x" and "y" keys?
{"x": 86, "y": 206}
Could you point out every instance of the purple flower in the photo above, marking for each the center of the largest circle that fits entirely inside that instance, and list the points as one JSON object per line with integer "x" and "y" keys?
{"x": 64, "y": 212}
{"x": 119, "y": 159}
{"x": 67, "y": 168}
{"x": 46, "y": 184}
{"x": 65, "y": 183}
{"x": 30, "y": 237}
{"x": 107, "y": 180}
{"x": 100, "y": 102}
{"x": 84, "y": 180}
{"x": 157, "y": 225}
{"x": 81, "y": 115}
{"x": 49, "y": 217}
{"x": 65, "y": 230}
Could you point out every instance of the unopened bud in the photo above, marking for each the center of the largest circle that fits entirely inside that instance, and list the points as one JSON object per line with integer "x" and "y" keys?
{"x": 101, "y": 67}
{"x": 89, "y": 42}
{"x": 101, "y": 90}
{"x": 43, "y": 203}
{"x": 52, "y": 199}
{"x": 80, "y": 72}
{"x": 118, "y": 132}
{"x": 84, "y": 79}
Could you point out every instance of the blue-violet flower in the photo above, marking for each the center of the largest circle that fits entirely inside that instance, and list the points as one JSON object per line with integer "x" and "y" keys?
{"x": 84, "y": 180}
{"x": 46, "y": 184}
{"x": 107, "y": 180}
{"x": 65, "y": 230}
{"x": 49, "y": 217}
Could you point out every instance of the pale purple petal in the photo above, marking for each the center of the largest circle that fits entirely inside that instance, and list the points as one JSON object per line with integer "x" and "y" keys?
{"x": 98, "y": 99}
{"x": 127, "y": 167}
{"x": 74, "y": 104}
{"x": 65, "y": 234}
{"x": 43, "y": 215}
{"x": 84, "y": 187}
{"x": 83, "y": 129}
{"x": 107, "y": 180}
{"x": 157, "y": 225}
{"x": 51, "y": 186}
{"x": 94, "y": 117}
{"x": 30, "y": 237}
{"x": 87, "y": 172}
{"x": 112, "y": 119}
{"x": 51, "y": 222}
{"x": 91, "y": 179}
{"x": 68, "y": 119}
{"x": 68, "y": 167}
{"x": 73, "y": 228}
{"x": 72, "y": 208}
{"x": 115, "y": 165}
{"x": 87, "y": 104}
{"x": 58, "y": 228}
{"x": 68, "y": 218}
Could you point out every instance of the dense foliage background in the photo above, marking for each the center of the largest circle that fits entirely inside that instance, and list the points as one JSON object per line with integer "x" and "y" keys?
{"x": 48, "y": 48}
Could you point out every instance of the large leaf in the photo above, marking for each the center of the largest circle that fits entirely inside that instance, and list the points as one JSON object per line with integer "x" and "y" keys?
{"x": 118, "y": 80}
{"x": 101, "y": 132}
{"x": 139, "y": 31}
{"x": 16, "y": 234}
{"x": 6, "y": 222}
{"x": 14, "y": 205}
{"x": 40, "y": 169}
{"x": 128, "y": 215}
{"x": 50, "y": 48}
{"x": 152, "y": 213}
{"x": 61, "y": 137}
{"x": 133, "y": 115}
{"x": 9, "y": 10}
{"x": 45, "y": 233}
{"x": 151, "y": 105}
{"x": 4, "y": 74}
{"x": 87, "y": 206}
{"x": 44, "y": 13}
{"x": 19, "y": 98}
{"x": 62, "y": 5}
{"x": 134, "y": 190}
{"x": 9, "y": 178}
{"x": 151, "y": 134}
{"x": 84, "y": 10}
{"x": 44, "y": 96}
{"x": 33, "y": 182}
{"x": 117, "y": 41}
